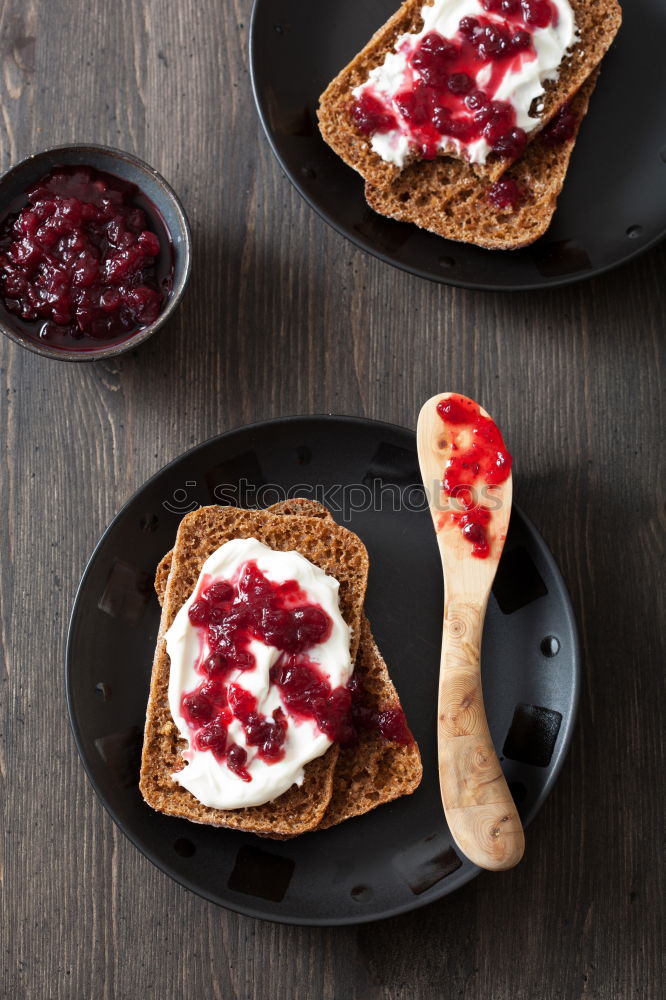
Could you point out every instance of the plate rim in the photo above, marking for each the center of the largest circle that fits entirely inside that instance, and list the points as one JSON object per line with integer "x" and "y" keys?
{"x": 568, "y": 726}
{"x": 361, "y": 243}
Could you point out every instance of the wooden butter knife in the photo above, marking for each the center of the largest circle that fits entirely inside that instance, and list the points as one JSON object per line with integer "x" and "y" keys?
{"x": 469, "y": 489}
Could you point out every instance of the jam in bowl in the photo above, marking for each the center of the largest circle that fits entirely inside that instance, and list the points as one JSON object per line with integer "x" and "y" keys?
{"x": 94, "y": 253}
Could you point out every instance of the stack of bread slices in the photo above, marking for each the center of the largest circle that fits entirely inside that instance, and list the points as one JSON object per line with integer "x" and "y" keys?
{"x": 447, "y": 195}
{"x": 345, "y": 781}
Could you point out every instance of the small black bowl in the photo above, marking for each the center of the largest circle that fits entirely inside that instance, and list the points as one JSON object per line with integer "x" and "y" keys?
{"x": 163, "y": 207}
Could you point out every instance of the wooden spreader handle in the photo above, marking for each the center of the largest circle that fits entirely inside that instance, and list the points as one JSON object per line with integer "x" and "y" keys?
{"x": 477, "y": 802}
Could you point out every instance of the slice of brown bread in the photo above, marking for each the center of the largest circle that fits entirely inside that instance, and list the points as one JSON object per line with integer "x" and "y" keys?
{"x": 445, "y": 197}
{"x": 597, "y": 21}
{"x": 373, "y": 771}
{"x": 335, "y": 550}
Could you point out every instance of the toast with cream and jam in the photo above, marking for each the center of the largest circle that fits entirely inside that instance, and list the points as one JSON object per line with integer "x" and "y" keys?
{"x": 449, "y": 95}
{"x": 378, "y": 764}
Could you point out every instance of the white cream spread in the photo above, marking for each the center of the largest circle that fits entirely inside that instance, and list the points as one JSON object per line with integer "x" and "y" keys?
{"x": 208, "y": 779}
{"x": 520, "y": 86}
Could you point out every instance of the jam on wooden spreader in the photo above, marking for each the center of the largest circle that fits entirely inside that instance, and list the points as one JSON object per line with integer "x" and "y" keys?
{"x": 478, "y": 460}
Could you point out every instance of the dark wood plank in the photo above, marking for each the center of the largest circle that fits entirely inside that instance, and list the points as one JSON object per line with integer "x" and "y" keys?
{"x": 284, "y": 316}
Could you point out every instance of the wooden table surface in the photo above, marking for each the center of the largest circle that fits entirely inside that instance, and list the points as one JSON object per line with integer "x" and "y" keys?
{"x": 284, "y": 316}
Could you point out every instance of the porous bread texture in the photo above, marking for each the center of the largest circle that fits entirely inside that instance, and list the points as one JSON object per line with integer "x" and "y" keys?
{"x": 373, "y": 771}
{"x": 445, "y": 197}
{"x": 335, "y": 550}
{"x": 597, "y": 22}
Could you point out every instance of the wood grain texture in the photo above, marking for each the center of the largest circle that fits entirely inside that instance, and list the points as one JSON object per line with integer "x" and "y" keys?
{"x": 283, "y": 315}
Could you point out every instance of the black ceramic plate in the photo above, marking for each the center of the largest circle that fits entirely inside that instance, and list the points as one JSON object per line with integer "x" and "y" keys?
{"x": 401, "y": 856}
{"x": 613, "y": 205}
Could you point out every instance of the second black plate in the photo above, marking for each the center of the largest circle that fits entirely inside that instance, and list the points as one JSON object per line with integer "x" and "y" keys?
{"x": 401, "y": 856}
{"x": 613, "y": 205}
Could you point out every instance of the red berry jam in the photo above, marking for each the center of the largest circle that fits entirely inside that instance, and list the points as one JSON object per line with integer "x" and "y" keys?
{"x": 341, "y": 713}
{"x": 505, "y": 193}
{"x": 268, "y": 735}
{"x": 229, "y": 615}
{"x": 236, "y": 760}
{"x": 390, "y": 722}
{"x": 538, "y": 13}
{"x": 81, "y": 262}
{"x": 392, "y": 725}
{"x": 439, "y": 97}
{"x": 371, "y": 116}
{"x": 479, "y": 459}
{"x": 561, "y": 128}
{"x": 308, "y": 695}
